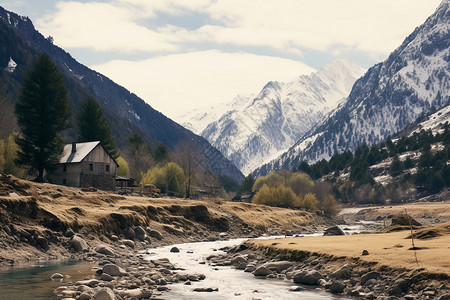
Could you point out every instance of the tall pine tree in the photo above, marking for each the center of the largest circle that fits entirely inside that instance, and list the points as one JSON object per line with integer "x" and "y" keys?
{"x": 93, "y": 126}
{"x": 42, "y": 113}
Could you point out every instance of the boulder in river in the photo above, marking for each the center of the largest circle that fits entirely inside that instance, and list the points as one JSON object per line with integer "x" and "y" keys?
{"x": 105, "y": 294}
{"x": 370, "y": 275}
{"x": 278, "y": 266}
{"x": 335, "y": 230}
{"x": 139, "y": 232}
{"x": 208, "y": 290}
{"x": 262, "y": 271}
{"x": 113, "y": 270}
{"x": 307, "y": 277}
{"x": 154, "y": 233}
{"x": 78, "y": 244}
{"x": 175, "y": 249}
{"x": 104, "y": 249}
{"x": 129, "y": 233}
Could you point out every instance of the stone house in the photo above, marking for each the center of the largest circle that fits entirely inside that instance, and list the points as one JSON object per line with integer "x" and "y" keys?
{"x": 85, "y": 165}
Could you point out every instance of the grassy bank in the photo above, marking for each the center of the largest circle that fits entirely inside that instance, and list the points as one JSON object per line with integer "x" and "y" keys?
{"x": 30, "y": 210}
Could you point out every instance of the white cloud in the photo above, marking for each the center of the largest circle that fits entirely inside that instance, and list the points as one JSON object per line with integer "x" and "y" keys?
{"x": 372, "y": 27}
{"x": 180, "y": 82}
{"x": 102, "y": 27}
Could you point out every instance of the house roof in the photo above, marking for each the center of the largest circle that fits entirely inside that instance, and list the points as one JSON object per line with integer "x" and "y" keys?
{"x": 82, "y": 150}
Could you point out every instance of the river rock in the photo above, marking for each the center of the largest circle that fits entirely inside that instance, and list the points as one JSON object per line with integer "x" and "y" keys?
{"x": 84, "y": 296}
{"x": 136, "y": 293}
{"x": 238, "y": 259}
{"x": 307, "y": 277}
{"x": 208, "y": 290}
{"x": 129, "y": 233}
{"x": 114, "y": 238}
{"x": 88, "y": 282}
{"x": 241, "y": 266}
{"x": 113, "y": 270}
{"x": 57, "y": 276}
{"x": 249, "y": 268}
{"x": 78, "y": 244}
{"x": 106, "y": 277}
{"x": 343, "y": 272}
{"x": 371, "y": 275}
{"x": 42, "y": 241}
{"x": 262, "y": 271}
{"x": 278, "y": 266}
{"x": 104, "y": 249}
{"x": 399, "y": 286}
{"x": 139, "y": 232}
{"x": 335, "y": 230}
{"x": 154, "y": 233}
{"x": 105, "y": 294}
{"x": 128, "y": 243}
{"x": 192, "y": 277}
{"x": 175, "y": 250}
{"x": 337, "y": 287}
{"x": 296, "y": 288}
{"x": 365, "y": 252}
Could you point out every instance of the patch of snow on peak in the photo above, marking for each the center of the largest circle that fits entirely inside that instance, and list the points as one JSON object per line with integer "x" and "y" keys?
{"x": 11, "y": 65}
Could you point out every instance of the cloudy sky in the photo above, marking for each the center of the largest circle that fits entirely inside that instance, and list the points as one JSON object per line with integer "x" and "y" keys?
{"x": 181, "y": 54}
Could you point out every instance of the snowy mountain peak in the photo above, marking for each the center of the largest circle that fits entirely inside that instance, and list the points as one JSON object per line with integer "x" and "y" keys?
{"x": 252, "y": 132}
{"x": 390, "y": 96}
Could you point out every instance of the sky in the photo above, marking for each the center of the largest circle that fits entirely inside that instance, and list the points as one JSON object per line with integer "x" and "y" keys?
{"x": 178, "y": 55}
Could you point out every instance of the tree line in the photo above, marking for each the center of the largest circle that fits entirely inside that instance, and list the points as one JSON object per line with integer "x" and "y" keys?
{"x": 415, "y": 166}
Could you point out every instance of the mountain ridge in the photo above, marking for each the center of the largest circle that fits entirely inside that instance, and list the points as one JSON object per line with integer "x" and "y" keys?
{"x": 390, "y": 95}
{"x": 125, "y": 111}
{"x": 279, "y": 114}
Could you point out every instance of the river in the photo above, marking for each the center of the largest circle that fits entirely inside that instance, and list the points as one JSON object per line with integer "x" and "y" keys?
{"x": 33, "y": 281}
{"x": 232, "y": 283}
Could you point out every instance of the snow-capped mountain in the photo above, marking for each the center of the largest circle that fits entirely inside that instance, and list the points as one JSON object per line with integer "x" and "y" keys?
{"x": 199, "y": 118}
{"x": 391, "y": 95}
{"x": 256, "y": 129}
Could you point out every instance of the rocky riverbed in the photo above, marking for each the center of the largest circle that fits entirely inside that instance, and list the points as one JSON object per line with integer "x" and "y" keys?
{"x": 337, "y": 275}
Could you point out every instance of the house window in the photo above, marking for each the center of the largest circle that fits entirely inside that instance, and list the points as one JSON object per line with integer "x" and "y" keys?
{"x": 64, "y": 182}
{"x": 91, "y": 167}
{"x": 107, "y": 168}
{"x": 64, "y": 168}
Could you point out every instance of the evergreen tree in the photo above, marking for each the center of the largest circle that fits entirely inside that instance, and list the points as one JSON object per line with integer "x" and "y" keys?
{"x": 247, "y": 185}
{"x": 42, "y": 113}
{"x": 396, "y": 166}
{"x": 93, "y": 126}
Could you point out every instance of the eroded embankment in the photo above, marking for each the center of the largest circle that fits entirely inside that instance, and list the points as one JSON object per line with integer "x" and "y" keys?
{"x": 339, "y": 266}
{"x": 41, "y": 220}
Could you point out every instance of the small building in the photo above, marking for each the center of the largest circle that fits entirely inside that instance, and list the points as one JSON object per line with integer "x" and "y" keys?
{"x": 85, "y": 165}
{"x": 123, "y": 182}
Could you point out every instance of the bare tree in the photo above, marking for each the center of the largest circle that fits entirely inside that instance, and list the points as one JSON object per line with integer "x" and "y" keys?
{"x": 189, "y": 156}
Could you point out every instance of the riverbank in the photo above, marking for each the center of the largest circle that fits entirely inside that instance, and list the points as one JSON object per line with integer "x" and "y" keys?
{"x": 372, "y": 266}
{"x": 41, "y": 221}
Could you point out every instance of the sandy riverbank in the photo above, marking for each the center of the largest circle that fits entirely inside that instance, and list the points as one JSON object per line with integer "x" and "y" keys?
{"x": 390, "y": 268}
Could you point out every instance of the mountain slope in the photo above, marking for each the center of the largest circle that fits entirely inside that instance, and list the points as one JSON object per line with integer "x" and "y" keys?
{"x": 392, "y": 94}
{"x": 258, "y": 128}
{"x": 21, "y": 43}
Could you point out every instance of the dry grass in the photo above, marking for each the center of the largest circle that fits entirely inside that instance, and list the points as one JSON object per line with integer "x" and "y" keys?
{"x": 265, "y": 216}
{"x": 389, "y": 249}
{"x": 416, "y": 210}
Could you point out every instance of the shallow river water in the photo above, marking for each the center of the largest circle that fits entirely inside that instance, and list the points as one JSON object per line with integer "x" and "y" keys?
{"x": 232, "y": 283}
{"x": 33, "y": 281}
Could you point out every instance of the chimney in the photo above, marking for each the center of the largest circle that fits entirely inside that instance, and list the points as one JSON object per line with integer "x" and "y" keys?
{"x": 74, "y": 147}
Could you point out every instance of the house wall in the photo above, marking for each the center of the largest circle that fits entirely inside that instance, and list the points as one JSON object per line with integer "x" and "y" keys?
{"x": 70, "y": 177}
